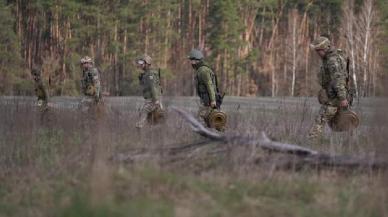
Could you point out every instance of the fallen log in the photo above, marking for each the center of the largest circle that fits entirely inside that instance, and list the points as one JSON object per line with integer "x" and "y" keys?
{"x": 306, "y": 155}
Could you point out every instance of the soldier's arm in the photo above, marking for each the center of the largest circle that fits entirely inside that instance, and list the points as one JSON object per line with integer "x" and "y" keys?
{"x": 44, "y": 93}
{"x": 83, "y": 82}
{"x": 41, "y": 91}
{"x": 96, "y": 77}
{"x": 96, "y": 81}
{"x": 319, "y": 76}
{"x": 154, "y": 86}
{"x": 205, "y": 76}
{"x": 338, "y": 77}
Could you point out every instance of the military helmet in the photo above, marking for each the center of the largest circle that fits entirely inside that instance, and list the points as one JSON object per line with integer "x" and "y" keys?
{"x": 344, "y": 120}
{"x": 147, "y": 59}
{"x": 320, "y": 43}
{"x": 86, "y": 59}
{"x": 195, "y": 54}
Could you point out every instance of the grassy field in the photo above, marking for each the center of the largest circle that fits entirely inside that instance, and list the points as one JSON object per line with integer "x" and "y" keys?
{"x": 70, "y": 163}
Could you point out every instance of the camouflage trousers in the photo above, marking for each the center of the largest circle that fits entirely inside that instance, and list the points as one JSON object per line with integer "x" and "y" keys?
{"x": 88, "y": 102}
{"x": 203, "y": 113}
{"x": 42, "y": 105}
{"x": 326, "y": 113}
{"x": 147, "y": 108}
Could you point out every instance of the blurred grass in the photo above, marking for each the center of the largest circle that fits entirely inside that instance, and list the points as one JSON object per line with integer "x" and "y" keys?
{"x": 65, "y": 164}
{"x": 150, "y": 192}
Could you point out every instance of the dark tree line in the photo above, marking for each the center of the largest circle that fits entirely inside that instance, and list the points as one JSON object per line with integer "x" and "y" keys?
{"x": 264, "y": 44}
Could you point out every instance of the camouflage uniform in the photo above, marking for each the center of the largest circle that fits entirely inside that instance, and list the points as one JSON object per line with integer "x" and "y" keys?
{"x": 332, "y": 78}
{"x": 40, "y": 91}
{"x": 206, "y": 88}
{"x": 205, "y": 83}
{"x": 152, "y": 92}
{"x": 90, "y": 83}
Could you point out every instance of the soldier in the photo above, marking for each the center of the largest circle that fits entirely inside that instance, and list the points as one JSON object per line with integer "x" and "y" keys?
{"x": 40, "y": 91}
{"x": 90, "y": 83}
{"x": 333, "y": 78}
{"x": 206, "y": 85}
{"x": 152, "y": 92}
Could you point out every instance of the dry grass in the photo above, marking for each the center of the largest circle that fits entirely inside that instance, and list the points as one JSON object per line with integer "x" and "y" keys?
{"x": 70, "y": 163}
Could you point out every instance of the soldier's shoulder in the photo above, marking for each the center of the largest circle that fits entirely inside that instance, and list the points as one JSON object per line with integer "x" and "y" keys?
{"x": 341, "y": 52}
{"x": 154, "y": 71}
{"x": 151, "y": 74}
{"x": 94, "y": 70}
{"x": 333, "y": 58}
{"x": 205, "y": 69}
{"x": 334, "y": 63}
{"x": 337, "y": 53}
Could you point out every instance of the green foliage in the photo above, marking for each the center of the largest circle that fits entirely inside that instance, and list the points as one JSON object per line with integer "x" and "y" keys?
{"x": 328, "y": 13}
{"x": 115, "y": 32}
{"x": 225, "y": 26}
{"x": 11, "y": 74}
{"x": 383, "y": 5}
{"x": 81, "y": 206}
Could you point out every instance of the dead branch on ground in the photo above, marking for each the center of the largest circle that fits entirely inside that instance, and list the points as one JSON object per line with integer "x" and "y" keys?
{"x": 305, "y": 155}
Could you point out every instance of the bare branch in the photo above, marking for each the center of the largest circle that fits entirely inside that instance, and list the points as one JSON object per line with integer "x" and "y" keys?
{"x": 306, "y": 155}
{"x": 198, "y": 127}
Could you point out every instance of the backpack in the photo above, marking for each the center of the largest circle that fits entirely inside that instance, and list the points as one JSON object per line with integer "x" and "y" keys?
{"x": 350, "y": 86}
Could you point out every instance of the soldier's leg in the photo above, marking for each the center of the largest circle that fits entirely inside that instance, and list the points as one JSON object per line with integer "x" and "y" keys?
{"x": 97, "y": 95}
{"x": 84, "y": 104}
{"x": 203, "y": 113}
{"x": 42, "y": 104}
{"x": 158, "y": 114}
{"x": 160, "y": 105}
{"x": 325, "y": 114}
{"x": 148, "y": 107}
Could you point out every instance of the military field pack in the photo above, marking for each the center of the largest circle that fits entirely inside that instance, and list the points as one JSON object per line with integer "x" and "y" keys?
{"x": 350, "y": 86}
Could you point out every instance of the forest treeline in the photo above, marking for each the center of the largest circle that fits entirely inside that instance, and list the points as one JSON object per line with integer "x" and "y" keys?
{"x": 257, "y": 47}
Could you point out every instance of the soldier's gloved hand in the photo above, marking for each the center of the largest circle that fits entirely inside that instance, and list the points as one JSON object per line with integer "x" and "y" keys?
{"x": 344, "y": 103}
{"x": 213, "y": 104}
{"x": 156, "y": 102}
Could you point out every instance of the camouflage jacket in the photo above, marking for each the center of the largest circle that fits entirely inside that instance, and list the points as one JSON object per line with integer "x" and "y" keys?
{"x": 150, "y": 83}
{"x": 333, "y": 76}
{"x": 90, "y": 82}
{"x": 40, "y": 91}
{"x": 206, "y": 84}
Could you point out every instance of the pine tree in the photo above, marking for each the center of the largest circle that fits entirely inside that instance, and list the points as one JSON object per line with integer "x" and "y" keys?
{"x": 13, "y": 80}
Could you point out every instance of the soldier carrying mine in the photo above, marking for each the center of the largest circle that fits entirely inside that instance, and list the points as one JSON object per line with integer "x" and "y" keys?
{"x": 90, "y": 82}
{"x": 333, "y": 78}
{"x": 208, "y": 92}
{"x": 39, "y": 88}
{"x": 150, "y": 82}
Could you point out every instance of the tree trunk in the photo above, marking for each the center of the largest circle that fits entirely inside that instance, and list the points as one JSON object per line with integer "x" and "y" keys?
{"x": 115, "y": 57}
{"x": 294, "y": 16}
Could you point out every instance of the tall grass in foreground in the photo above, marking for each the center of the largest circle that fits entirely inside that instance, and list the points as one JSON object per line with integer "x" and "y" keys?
{"x": 71, "y": 163}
